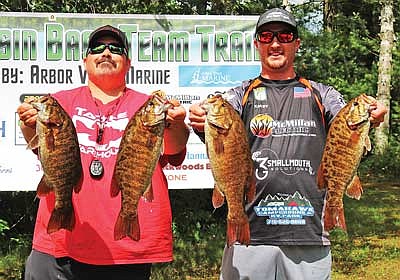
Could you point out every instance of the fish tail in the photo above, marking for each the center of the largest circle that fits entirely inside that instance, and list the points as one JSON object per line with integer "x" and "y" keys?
{"x": 238, "y": 231}
{"x": 127, "y": 226}
{"x": 43, "y": 188}
{"x": 218, "y": 197}
{"x": 320, "y": 177}
{"x": 251, "y": 190}
{"x": 78, "y": 186}
{"x": 61, "y": 218}
{"x": 334, "y": 217}
{"x": 114, "y": 190}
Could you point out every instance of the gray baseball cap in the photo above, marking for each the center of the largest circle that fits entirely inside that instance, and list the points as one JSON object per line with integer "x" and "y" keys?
{"x": 276, "y": 15}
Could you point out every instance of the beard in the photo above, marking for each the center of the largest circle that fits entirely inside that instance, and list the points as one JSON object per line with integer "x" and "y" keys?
{"x": 276, "y": 64}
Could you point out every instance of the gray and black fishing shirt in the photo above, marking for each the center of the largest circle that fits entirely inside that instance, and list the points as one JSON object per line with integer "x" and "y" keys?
{"x": 287, "y": 137}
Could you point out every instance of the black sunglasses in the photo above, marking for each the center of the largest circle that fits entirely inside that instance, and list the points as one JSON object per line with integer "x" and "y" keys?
{"x": 282, "y": 36}
{"x": 115, "y": 49}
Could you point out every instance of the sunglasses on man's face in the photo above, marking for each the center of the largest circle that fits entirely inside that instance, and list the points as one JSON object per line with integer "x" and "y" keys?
{"x": 99, "y": 48}
{"x": 282, "y": 36}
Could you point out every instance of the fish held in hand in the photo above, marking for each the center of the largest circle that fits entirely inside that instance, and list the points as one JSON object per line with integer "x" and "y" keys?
{"x": 139, "y": 152}
{"x": 347, "y": 141}
{"x": 231, "y": 165}
{"x": 59, "y": 155}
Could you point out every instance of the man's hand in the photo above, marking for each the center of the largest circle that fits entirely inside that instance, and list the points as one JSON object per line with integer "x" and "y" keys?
{"x": 27, "y": 114}
{"x": 197, "y": 117}
{"x": 176, "y": 114}
{"x": 377, "y": 113}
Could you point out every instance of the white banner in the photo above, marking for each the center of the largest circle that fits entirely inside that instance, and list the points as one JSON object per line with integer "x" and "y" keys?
{"x": 188, "y": 57}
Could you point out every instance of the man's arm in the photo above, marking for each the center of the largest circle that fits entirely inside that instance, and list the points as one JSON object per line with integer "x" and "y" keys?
{"x": 176, "y": 133}
{"x": 27, "y": 115}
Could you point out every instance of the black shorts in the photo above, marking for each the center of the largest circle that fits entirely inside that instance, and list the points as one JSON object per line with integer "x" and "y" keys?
{"x": 41, "y": 266}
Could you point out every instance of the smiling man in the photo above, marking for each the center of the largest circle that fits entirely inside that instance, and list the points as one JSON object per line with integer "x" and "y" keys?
{"x": 100, "y": 112}
{"x": 286, "y": 118}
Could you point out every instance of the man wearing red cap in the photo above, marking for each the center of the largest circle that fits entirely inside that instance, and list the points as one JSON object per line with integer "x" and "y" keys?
{"x": 286, "y": 125}
{"x": 100, "y": 112}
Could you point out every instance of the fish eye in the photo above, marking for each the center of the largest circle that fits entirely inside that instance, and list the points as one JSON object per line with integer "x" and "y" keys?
{"x": 355, "y": 103}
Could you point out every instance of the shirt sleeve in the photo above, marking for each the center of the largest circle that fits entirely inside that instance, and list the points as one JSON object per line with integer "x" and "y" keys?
{"x": 332, "y": 100}
{"x": 174, "y": 160}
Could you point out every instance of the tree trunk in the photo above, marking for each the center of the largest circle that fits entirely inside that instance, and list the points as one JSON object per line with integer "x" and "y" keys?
{"x": 384, "y": 73}
{"x": 329, "y": 12}
{"x": 285, "y": 5}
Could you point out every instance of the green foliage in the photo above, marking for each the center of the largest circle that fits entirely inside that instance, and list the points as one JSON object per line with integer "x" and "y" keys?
{"x": 199, "y": 236}
{"x": 11, "y": 267}
{"x": 382, "y": 167}
{"x": 345, "y": 59}
{"x": 12, "y": 260}
{"x": 3, "y": 227}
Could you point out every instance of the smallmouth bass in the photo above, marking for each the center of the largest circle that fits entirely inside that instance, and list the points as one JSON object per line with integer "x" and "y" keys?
{"x": 347, "y": 141}
{"x": 231, "y": 165}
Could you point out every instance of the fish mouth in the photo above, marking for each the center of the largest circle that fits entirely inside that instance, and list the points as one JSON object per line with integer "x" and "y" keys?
{"x": 355, "y": 125}
{"x": 216, "y": 125}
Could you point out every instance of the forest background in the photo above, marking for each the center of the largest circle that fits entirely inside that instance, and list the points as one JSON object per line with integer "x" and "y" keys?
{"x": 351, "y": 45}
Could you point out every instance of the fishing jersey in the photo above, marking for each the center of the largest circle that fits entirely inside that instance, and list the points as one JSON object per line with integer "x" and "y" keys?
{"x": 92, "y": 239}
{"x": 287, "y": 135}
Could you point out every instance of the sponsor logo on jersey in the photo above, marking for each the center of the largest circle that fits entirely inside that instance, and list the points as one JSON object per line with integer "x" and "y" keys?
{"x": 285, "y": 209}
{"x": 267, "y": 160}
{"x": 260, "y": 93}
{"x": 263, "y": 126}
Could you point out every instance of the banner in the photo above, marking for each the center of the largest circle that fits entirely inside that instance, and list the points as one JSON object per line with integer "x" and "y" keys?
{"x": 188, "y": 57}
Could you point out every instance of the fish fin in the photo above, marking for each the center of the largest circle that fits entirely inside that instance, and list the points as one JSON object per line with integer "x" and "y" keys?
{"x": 320, "y": 177}
{"x": 78, "y": 186}
{"x": 151, "y": 142}
{"x": 148, "y": 193}
{"x": 354, "y": 138}
{"x": 126, "y": 226}
{"x": 238, "y": 231}
{"x": 61, "y": 219}
{"x": 334, "y": 217}
{"x": 50, "y": 142}
{"x": 207, "y": 150}
{"x": 33, "y": 143}
{"x": 251, "y": 189}
{"x": 114, "y": 190}
{"x": 367, "y": 145}
{"x": 43, "y": 188}
{"x": 218, "y": 146}
{"x": 218, "y": 197}
{"x": 354, "y": 189}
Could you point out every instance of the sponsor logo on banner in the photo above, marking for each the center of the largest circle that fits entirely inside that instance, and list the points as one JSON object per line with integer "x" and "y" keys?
{"x": 215, "y": 76}
{"x": 185, "y": 98}
{"x": 5, "y": 169}
{"x": 2, "y": 129}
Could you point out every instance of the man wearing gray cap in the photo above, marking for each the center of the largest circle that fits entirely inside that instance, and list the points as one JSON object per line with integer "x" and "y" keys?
{"x": 87, "y": 249}
{"x": 286, "y": 117}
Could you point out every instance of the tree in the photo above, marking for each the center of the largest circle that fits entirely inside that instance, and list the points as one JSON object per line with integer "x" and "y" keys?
{"x": 384, "y": 72}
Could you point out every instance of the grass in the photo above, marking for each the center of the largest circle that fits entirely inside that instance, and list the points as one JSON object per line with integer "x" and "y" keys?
{"x": 371, "y": 249}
